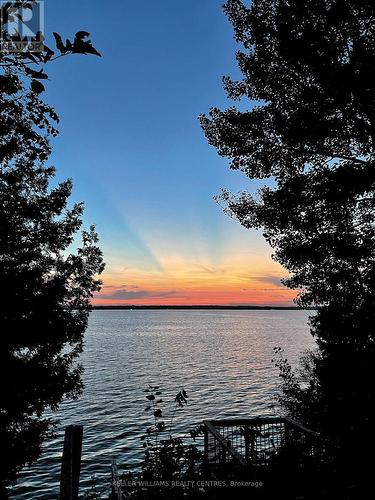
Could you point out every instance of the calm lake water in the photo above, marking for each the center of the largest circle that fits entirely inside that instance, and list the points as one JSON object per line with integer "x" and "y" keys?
{"x": 223, "y": 359}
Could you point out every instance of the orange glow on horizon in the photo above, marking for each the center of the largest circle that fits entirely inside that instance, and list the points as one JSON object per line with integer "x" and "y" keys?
{"x": 190, "y": 283}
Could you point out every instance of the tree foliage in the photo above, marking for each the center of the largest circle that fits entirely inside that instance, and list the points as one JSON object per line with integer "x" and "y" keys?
{"x": 46, "y": 287}
{"x": 308, "y": 71}
{"x": 173, "y": 460}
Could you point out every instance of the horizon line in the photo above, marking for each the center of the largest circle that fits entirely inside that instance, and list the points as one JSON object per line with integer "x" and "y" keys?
{"x": 196, "y": 306}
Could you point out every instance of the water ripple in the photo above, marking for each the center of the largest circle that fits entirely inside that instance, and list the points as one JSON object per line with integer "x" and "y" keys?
{"x": 222, "y": 358}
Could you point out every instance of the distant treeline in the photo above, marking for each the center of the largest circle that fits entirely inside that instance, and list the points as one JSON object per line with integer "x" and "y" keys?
{"x": 210, "y": 307}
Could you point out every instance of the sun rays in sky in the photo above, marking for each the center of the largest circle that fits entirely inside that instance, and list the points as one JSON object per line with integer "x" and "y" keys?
{"x": 172, "y": 272}
{"x": 131, "y": 141}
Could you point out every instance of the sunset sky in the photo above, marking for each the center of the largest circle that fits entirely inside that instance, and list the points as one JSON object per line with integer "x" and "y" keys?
{"x": 131, "y": 141}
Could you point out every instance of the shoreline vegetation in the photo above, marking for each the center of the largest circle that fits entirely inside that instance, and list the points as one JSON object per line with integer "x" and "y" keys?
{"x": 203, "y": 307}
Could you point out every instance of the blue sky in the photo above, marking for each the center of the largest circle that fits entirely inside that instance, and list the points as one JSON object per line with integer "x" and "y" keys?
{"x": 131, "y": 140}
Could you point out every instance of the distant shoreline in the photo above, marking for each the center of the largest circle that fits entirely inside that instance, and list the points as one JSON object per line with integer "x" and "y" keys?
{"x": 202, "y": 307}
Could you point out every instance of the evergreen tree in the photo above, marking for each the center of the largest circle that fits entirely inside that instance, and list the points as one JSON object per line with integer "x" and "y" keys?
{"x": 46, "y": 288}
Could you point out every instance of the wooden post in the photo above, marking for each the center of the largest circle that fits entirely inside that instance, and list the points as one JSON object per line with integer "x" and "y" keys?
{"x": 206, "y": 453}
{"x": 71, "y": 463}
{"x": 116, "y": 487}
{"x": 247, "y": 443}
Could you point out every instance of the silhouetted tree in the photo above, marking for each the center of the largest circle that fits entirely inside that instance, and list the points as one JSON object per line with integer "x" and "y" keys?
{"x": 308, "y": 68}
{"x": 46, "y": 287}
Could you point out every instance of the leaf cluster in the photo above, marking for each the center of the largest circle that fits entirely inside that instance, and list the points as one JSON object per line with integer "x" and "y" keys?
{"x": 166, "y": 457}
